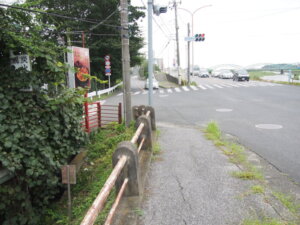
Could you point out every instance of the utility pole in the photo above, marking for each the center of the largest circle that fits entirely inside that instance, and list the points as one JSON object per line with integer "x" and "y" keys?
{"x": 150, "y": 53}
{"x": 177, "y": 43}
{"x": 188, "y": 66}
{"x": 125, "y": 62}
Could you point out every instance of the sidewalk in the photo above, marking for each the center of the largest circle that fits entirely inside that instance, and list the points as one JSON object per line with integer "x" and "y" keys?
{"x": 284, "y": 78}
{"x": 190, "y": 184}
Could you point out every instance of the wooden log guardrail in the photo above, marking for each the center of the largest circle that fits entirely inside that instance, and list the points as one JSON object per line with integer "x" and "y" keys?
{"x": 125, "y": 175}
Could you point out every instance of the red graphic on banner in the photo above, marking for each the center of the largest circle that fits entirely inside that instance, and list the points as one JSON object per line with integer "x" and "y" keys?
{"x": 82, "y": 66}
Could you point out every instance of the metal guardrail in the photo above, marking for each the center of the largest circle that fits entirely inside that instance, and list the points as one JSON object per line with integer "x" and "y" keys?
{"x": 125, "y": 161}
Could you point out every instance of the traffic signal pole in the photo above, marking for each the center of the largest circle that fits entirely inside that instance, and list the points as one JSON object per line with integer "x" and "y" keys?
{"x": 150, "y": 53}
{"x": 188, "y": 67}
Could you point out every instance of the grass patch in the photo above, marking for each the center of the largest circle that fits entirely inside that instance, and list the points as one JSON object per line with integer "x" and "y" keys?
{"x": 193, "y": 83}
{"x": 139, "y": 212}
{"x": 156, "y": 148}
{"x": 258, "y": 189}
{"x": 235, "y": 152}
{"x": 247, "y": 175}
{"x": 287, "y": 201}
{"x": 91, "y": 178}
{"x": 266, "y": 221}
{"x": 256, "y": 75}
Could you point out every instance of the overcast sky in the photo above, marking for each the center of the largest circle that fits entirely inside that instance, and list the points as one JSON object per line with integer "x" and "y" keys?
{"x": 242, "y": 32}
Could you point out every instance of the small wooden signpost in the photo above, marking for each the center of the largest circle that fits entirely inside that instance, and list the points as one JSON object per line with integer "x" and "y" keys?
{"x": 68, "y": 174}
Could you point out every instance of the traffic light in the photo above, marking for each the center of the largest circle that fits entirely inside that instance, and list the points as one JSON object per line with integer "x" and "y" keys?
{"x": 158, "y": 9}
{"x": 199, "y": 37}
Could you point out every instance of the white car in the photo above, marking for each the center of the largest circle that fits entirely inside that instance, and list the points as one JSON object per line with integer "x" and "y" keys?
{"x": 155, "y": 84}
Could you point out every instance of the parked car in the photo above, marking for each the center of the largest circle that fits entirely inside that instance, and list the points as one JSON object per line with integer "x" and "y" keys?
{"x": 226, "y": 74}
{"x": 241, "y": 75}
{"x": 216, "y": 73}
{"x": 204, "y": 73}
{"x": 155, "y": 83}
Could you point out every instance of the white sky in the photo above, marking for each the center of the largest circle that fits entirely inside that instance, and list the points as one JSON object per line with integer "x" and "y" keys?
{"x": 242, "y": 32}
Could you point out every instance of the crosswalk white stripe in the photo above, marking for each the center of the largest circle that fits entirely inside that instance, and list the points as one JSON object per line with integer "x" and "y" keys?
{"x": 202, "y": 87}
{"x": 177, "y": 89}
{"x": 208, "y": 86}
{"x": 218, "y": 86}
{"x": 136, "y": 93}
{"x": 233, "y": 85}
{"x": 194, "y": 88}
{"x": 120, "y": 94}
{"x": 161, "y": 91}
{"x": 145, "y": 92}
{"x": 185, "y": 88}
{"x": 225, "y": 85}
{"x": 169, "y": 90}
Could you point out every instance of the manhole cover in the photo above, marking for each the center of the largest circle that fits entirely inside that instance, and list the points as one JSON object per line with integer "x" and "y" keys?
{"x": 223, "y": 110}
{"x": 268, "y": 126}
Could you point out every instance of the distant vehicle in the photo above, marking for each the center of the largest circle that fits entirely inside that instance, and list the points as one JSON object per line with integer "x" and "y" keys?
{"x": 216, "y": 73}
{"x": 204, "y": 73}
{"x": 196, "y": 71}
{"x": 226, "y": 74}
{"x": 241, "y": 75}
{"x": 155, "y": 84}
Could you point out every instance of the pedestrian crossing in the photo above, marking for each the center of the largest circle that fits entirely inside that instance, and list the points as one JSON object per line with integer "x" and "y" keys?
{"x": 205, "y": 87}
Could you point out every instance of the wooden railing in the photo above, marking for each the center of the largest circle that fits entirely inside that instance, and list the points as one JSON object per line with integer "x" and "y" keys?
{"x": 125, "y": 175}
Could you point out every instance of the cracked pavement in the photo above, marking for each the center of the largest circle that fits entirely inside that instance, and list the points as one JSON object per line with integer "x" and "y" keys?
{"x": 190, "y": 183}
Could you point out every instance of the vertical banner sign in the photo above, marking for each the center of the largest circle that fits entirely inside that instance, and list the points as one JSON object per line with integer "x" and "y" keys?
{"x": 79, "y": 60}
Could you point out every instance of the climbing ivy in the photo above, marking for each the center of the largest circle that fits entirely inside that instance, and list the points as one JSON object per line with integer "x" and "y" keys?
{"x": 40, "y": 128}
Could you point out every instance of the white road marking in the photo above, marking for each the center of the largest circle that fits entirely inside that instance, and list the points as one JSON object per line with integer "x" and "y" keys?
{"x": 208, "y": 86}
{"x": 233, "y": 85}
{"x": 225, "y": 85}
{"x": 136, "y": 93}
{"x": 194, "y": 88}
{"x": 185, "y": 88}
{"x": 177, "y": 89}
{"x": 218, "y": 86}
{"x": 161, "y": 91}
{"x": 145, "y": 92}
{"x": 169, "y": 90}
{"x": 202, "y": 87}
{"x": 120, "y": 94}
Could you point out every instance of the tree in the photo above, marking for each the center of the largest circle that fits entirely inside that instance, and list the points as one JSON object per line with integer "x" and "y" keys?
{"x": 101, "y": 29}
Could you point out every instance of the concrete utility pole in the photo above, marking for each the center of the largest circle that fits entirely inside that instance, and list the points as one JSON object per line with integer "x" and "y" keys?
{"x": 150, "y": 53}
{"x": 177, "y": 43}
{"x": 188, "y": 66}
{"x": 125, "y": 62}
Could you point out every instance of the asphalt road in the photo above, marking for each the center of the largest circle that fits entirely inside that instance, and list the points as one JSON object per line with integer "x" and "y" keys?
{"x": 264, "y": 117}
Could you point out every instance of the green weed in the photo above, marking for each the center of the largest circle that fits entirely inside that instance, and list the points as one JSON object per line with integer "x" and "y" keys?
{"x": 266, "y": 221}
{"x": 258, "y": 189}
{"x": 287, "y": 201}
{"x": 156, "y": 148}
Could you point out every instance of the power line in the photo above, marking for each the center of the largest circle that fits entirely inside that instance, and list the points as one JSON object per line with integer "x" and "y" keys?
{"x": 58, "y": 15}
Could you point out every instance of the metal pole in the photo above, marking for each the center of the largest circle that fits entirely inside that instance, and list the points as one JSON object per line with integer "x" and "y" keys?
{"x": 150, "y": 53}
{"x": 177, "y": 43}
{"x": 188, "y": 67}
{"x": 125, "y": 62}
{"x": 193, "y": 45}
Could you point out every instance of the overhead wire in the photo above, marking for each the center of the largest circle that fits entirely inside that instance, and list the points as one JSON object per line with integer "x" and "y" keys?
{"x": 59, "y": 15}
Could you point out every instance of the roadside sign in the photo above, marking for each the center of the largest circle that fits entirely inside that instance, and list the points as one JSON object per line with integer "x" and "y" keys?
{"x": 107, "y": 63}
{"x": 107, "y": 57}
{"x": 189, "y": 38}
{"x": 107, "y": 70}
{"x": 107, "y": 67}
{"x": 68, "y": 173}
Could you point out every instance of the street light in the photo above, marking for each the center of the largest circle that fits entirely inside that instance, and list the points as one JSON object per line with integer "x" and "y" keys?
{"x": 192, "y": 14}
